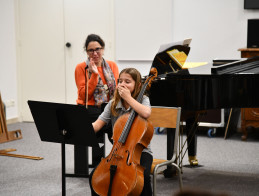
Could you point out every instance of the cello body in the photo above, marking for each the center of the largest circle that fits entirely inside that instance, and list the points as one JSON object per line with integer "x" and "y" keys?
{"x": 128, "y": 178}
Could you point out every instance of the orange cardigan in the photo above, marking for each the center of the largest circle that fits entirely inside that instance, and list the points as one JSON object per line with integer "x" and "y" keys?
{"x": 80, "y": 81}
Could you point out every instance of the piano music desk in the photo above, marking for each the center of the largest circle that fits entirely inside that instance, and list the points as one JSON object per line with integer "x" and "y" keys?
{"x": 188, "y": 65}
{"x": 249, "y": 116}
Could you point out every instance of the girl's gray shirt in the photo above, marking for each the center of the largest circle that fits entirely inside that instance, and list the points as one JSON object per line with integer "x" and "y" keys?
{"x": 107, "y": 116}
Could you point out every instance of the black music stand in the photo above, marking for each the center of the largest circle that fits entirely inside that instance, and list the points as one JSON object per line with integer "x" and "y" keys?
{"x": 65, "y": 124}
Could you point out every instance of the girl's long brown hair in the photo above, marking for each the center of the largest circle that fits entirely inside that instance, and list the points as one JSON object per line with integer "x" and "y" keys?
{"x": 136, "y": 76}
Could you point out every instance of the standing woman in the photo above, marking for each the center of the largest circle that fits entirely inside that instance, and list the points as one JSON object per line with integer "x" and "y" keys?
{"x": 100, "y": 74}
{"x": 96, "y": 80}
{"x": 129, "y": 86}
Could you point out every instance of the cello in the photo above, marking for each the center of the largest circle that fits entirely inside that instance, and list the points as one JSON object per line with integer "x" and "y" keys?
{"x": 120, "y": 173}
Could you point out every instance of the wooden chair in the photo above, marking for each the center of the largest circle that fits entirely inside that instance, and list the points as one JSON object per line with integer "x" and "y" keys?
{"x": 6, "y": 136}
{"x": 168, "y": 117}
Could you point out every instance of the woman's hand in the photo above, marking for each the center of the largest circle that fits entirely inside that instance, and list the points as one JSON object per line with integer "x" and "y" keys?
{"x": 92, "y": 66}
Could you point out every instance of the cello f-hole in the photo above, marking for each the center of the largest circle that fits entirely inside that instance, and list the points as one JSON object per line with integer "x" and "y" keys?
{"x": 128, "y": 163}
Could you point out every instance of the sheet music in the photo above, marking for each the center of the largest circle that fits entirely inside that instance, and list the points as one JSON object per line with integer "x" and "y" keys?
{"x": 183, "y": 42}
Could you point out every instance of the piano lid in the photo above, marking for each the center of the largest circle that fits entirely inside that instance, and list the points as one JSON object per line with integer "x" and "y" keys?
{"x": 171, "y": 57}
{"x": 243, "y": 66}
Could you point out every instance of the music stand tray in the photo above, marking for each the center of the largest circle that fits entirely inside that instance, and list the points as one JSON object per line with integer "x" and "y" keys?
{"x": 65, "y": 124}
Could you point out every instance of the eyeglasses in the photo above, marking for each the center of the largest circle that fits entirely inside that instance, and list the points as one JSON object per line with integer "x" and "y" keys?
{"x": 97, "y": 50}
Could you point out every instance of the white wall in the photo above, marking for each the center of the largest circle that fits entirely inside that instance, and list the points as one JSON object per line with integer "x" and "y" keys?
{"x": 138, "y": 27}
{"x": 218, "y": 29}
{"x": 8, "y": 64}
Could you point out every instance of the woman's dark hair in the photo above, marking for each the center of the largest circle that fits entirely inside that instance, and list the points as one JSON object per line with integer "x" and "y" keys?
{"x": 93, "y": 38}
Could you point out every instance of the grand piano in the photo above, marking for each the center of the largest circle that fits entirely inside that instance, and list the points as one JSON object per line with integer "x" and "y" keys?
{"x": 231, "y": 85}
{"x": 208, "y": 87}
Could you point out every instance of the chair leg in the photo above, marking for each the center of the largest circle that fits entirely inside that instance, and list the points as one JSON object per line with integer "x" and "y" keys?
{"x": 180, "y": 175}
{"x": 154, "y": 181}
{"x": 155, "y": 176}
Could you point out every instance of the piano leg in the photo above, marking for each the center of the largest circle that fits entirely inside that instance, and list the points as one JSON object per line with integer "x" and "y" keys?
{"x": 170, "y": 171}
{"x": 191, "y": 127}
{"x": 191, "y": 119}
